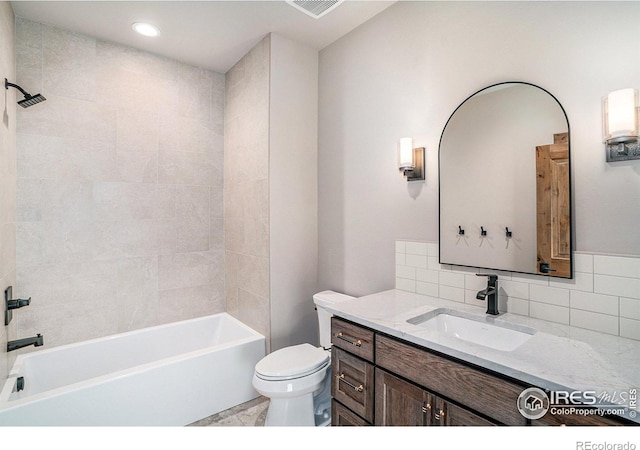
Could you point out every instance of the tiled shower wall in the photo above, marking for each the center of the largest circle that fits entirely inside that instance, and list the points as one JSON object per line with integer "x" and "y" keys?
{"x": 246, "y": 186}
{"x": 604, "y": 294}
{"x": 120, "y": 187}
{"x": 7, "y": 177}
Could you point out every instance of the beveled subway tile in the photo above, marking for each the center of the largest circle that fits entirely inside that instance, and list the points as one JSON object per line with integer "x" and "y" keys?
{"x": 552, "y": 313}
{"x": 404, "y": 284}
{"x": 618, "y": 266}
{"x": 630, "y": 308}
{"x": 544, "y": 294}
{"x": 630, "y": 328}
{"x": 581, "y": 281}
{"x": 621, "y": 286}
{"x": 603, "y": 323}
{"x": 406, "y": 272}
{"x": 605, "y": 304}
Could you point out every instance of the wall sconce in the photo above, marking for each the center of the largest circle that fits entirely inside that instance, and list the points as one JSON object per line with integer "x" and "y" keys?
{"x": 411, "y": 160}
{"x": 620, "y": 110}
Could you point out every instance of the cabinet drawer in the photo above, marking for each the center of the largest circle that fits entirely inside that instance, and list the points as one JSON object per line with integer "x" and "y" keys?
{"x": 352, "y": 338}
{"x": 490, "y": 395}
{"x": 343, "y": 417}
{"x": 352, "y": 383}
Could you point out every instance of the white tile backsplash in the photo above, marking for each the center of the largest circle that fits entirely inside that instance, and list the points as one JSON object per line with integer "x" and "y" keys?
{"x": 603, "y": 296}
{"x": 630, "y": 328}
{"x": 546, "y": 294}
{"x": 594, "y": 321}
{"x": 630, "y": 308}
{"x": 617, "y": 266}
{"x": 623, "y": 287}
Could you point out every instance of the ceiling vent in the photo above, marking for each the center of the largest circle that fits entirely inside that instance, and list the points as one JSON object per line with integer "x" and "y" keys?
{"x": 315, "y": 8}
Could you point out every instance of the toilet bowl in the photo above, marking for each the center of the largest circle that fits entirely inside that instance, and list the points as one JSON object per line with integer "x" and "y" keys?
{"x": 297, "y": 379}
{"x": 293, "y": 379}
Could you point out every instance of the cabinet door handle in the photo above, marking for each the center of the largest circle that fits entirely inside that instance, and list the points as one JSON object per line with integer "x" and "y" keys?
{"x": 426, "y": 408}
{"x": 341, "y": 378}
{"x": 439, "y": 415}
{"x": 357, "y": 343}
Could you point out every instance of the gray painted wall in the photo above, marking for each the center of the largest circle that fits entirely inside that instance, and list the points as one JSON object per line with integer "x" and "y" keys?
{"x": 406, "y": 70}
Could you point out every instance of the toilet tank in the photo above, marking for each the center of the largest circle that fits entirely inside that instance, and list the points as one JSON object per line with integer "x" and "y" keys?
{"x": 322, "y": 299}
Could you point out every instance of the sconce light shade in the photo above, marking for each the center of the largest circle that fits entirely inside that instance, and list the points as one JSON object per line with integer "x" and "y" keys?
{"x": 620, "y": 111}
{"x": 411, "y": 160}
{"x": 405, "y": 155}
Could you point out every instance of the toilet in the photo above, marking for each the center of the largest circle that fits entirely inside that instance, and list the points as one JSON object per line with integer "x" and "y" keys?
{"x": 297, "y": 379}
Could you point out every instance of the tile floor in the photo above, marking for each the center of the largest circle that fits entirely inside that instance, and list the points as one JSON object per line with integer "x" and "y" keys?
{"x": 249, "y": 414}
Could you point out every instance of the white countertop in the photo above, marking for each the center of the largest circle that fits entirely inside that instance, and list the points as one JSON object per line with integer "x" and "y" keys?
{"x": 556, "y": 357}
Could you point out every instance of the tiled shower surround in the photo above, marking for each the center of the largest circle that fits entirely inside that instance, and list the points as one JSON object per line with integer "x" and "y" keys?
{"x": 604, "y": 294}
{"x": 120, "y": 187}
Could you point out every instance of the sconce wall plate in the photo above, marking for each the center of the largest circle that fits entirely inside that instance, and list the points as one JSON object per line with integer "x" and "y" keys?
{"x": 623, "y": 151}
{"x": 417, "y": 173}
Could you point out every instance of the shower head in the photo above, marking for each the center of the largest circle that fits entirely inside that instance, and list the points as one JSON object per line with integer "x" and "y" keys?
{"x": 28, "y": 100}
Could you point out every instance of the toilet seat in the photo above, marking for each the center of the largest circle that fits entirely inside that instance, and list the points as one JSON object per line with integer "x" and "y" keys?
{"x": 292, "y": 362}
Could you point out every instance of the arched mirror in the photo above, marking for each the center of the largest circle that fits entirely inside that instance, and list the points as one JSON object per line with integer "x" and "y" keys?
{"x": 505, "y": 187}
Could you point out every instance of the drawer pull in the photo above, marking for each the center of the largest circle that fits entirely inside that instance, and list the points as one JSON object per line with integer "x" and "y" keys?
{"x": 357, "y": 343}
{"x": 341, "y": 377}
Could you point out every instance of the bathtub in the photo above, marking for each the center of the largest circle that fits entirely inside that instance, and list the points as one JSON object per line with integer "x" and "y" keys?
{"x": 171, "y": 374}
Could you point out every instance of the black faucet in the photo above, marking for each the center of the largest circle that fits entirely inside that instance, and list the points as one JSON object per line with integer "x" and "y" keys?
{"x": 36, "y": 341}
{"x": 491, "y": 292}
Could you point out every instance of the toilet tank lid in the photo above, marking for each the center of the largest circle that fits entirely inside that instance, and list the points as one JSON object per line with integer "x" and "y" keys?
{"x": 325, "y": 298}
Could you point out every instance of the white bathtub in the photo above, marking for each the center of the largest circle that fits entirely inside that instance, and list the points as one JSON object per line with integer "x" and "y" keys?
{"x": 170, "y": 374}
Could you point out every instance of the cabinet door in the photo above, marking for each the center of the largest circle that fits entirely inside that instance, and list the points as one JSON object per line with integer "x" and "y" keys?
{"x": 448, "y": 414}
{"x": 352, "y": 383}
{"x": 344, "y": 417}
{"x": 399, "y": 403}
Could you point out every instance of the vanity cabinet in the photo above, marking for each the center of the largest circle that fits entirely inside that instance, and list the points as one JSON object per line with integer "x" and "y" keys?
{"x": 352, "y": 372}
{"x": 368, "y": 388}
{"x": 382, "y": 380}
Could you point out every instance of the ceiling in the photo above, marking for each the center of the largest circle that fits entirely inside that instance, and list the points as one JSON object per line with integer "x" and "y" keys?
{"x": 210, "y": 34}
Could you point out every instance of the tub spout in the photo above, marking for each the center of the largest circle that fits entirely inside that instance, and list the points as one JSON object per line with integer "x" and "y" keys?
{"x": 36, "y": 341}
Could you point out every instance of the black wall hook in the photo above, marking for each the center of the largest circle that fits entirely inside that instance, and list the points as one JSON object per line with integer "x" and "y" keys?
{"x": 508, "y": 233}
{"x": 483, "y": 232}
{"x": 460, "y": 231}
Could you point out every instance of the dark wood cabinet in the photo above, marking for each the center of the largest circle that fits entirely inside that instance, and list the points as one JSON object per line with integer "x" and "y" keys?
{"x": 386, "y": 381}
{"x": 401, "y": 403}
{"x": 341, "y": 416}
{"x": 352, "y": 383}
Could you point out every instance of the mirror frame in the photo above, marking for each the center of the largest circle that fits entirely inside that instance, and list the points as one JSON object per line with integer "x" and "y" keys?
{"x": 571, "y": 199}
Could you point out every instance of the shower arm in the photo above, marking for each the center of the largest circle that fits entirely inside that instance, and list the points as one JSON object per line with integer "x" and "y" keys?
{"x": 7, "y": 84}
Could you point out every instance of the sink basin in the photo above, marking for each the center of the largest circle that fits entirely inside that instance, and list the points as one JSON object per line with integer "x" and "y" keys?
{"x": 486, "y": 331}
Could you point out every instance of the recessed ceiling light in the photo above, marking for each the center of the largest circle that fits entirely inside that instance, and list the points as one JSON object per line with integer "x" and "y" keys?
{"x": 145, "y": 29}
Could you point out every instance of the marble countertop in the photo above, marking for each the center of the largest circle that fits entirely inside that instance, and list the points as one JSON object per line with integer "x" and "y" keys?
{"x": 557, "y": 357}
